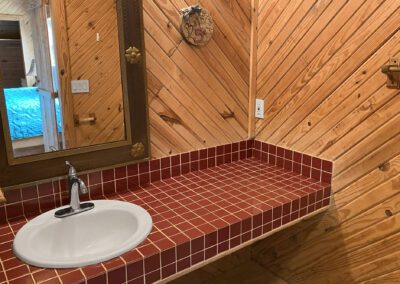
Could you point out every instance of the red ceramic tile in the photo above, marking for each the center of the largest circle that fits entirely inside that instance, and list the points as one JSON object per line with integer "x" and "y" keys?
{"x": 152, "y": 263}
{"x": 45, "y": 189}
{"x": 109, "y": 187}
{"x": 155, "y": 165}
{"x": 101, "y": 279}
{"x": 135, "y": 270}
{"x": 133, "y": 170}
{"x": 13, "y": 196}
{"x": 197, "y": 245}
{"x": 108, "y": 175}
{"x": 168, "y": 270}
{"x": 120, "y": 172}
{"x": 92, "y": 271}
{"x": 168, "y": 256}
{"x": 14, "y": 210}
{"x": 31, "y": 207}
{"x": 153, "y": 276}
{"x": 95, "y": 178}
{"x": 117, "y": 276}
{"x": 29, "y": 192}
{"x": 27, "y": 279}
{"x": 230, "y": 204}
{"x": 75, "y": 276}
{"x": 183, "y": 264}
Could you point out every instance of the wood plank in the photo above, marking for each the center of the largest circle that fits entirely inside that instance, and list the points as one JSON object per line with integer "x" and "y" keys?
{"x": 253, "y": 68}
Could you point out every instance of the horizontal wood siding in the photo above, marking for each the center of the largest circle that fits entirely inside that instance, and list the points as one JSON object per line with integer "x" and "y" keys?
{"x": 319, "y": 74}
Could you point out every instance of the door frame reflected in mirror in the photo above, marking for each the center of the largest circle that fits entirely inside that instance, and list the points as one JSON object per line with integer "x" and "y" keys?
{"x": 136, "y": 147}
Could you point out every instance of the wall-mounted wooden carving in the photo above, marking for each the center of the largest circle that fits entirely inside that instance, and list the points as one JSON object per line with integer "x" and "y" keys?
{"x": 133, "y": 55}
{"x": 90, "y": 119}
{"x": 392, "y": 70}
{"x": 197, "y": 25}
{"x": 137, "y": 150}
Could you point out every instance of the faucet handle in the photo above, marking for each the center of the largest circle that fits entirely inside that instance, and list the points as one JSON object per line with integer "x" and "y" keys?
{"x": 71, "y": 171}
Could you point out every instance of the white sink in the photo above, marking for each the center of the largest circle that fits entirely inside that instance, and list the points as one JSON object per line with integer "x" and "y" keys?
{"x": 109, "y": 230}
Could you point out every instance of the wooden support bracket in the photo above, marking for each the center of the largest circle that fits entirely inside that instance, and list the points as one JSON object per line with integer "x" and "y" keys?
{"x": 392, "y": 70}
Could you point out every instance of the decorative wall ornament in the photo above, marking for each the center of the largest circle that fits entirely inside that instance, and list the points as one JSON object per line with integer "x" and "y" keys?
{"x": 197, "y": 25}
{"x": 133, "y": 55}
{"x": 137, "y": 150}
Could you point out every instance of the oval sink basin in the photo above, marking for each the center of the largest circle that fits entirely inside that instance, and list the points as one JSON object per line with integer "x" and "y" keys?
{"x": 107, "y": 231}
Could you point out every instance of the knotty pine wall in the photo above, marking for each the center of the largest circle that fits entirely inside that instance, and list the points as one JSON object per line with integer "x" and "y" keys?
{"x": 198, "y": 97}
{"x": 98, "y": 62}
{"x": 318, "y": 70}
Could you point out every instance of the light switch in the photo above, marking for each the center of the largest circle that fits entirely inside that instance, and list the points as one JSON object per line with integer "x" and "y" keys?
{"x": 80, "y": 86}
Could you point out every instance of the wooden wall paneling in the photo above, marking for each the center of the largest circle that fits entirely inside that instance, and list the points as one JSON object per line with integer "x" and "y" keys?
{"x": 253, "y": 68}
{"x": 176, "y": 92}
{"x": 334, "y": 103}
{"x": 349, "y": 224}
{"x": 342, "y": 46}
{"x": 272, "y": 93}
{"x": 203, "y": 70}
{"x": 187, "y": 87}
{"x": 60, "y": 33}
{"x": 196, "y": 90}
{"x": 99, "y": 62}
{"x": 388, "y": 278}
{"x": 359, "y": 86}
{"x": 303, "y": 104}
{"x": 287, "y": 40}
{"x": 269, "y": 13}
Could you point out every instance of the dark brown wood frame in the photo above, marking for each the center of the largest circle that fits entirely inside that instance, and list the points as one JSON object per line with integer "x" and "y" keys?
{"x": 28, "y": 169}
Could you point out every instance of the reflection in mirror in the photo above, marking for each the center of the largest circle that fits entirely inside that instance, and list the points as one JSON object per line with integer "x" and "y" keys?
{"x": 40, "y": 115}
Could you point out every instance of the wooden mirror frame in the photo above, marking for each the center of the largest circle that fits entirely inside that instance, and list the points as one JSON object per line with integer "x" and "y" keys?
{"x": 134, "y": 149}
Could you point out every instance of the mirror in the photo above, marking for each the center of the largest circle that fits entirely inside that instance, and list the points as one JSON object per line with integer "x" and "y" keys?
{"x": 39, "y": 119}
{"x": 72, "y": 84}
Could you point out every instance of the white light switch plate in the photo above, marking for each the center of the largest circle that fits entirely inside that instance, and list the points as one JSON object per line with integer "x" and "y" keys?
{"x": 259, "y": 108}
{"x": 80, "y": 86}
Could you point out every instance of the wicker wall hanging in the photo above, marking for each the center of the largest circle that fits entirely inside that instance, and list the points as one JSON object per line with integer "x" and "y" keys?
{"x": 197, "y": 25}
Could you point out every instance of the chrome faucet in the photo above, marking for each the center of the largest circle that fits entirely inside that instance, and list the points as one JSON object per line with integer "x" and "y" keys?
{"x": 76, "y": 187}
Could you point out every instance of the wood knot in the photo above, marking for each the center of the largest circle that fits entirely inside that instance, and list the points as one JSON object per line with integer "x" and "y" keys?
{"x": 170, "y": 119}
{"x": 388, "y": 213}
{"x": 384, "y": 167}
{"x": 226, "y": 114}
{"x": 309, "y": 123}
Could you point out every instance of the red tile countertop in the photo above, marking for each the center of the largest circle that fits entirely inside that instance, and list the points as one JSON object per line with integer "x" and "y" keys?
{"x": 196, "y": 216}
